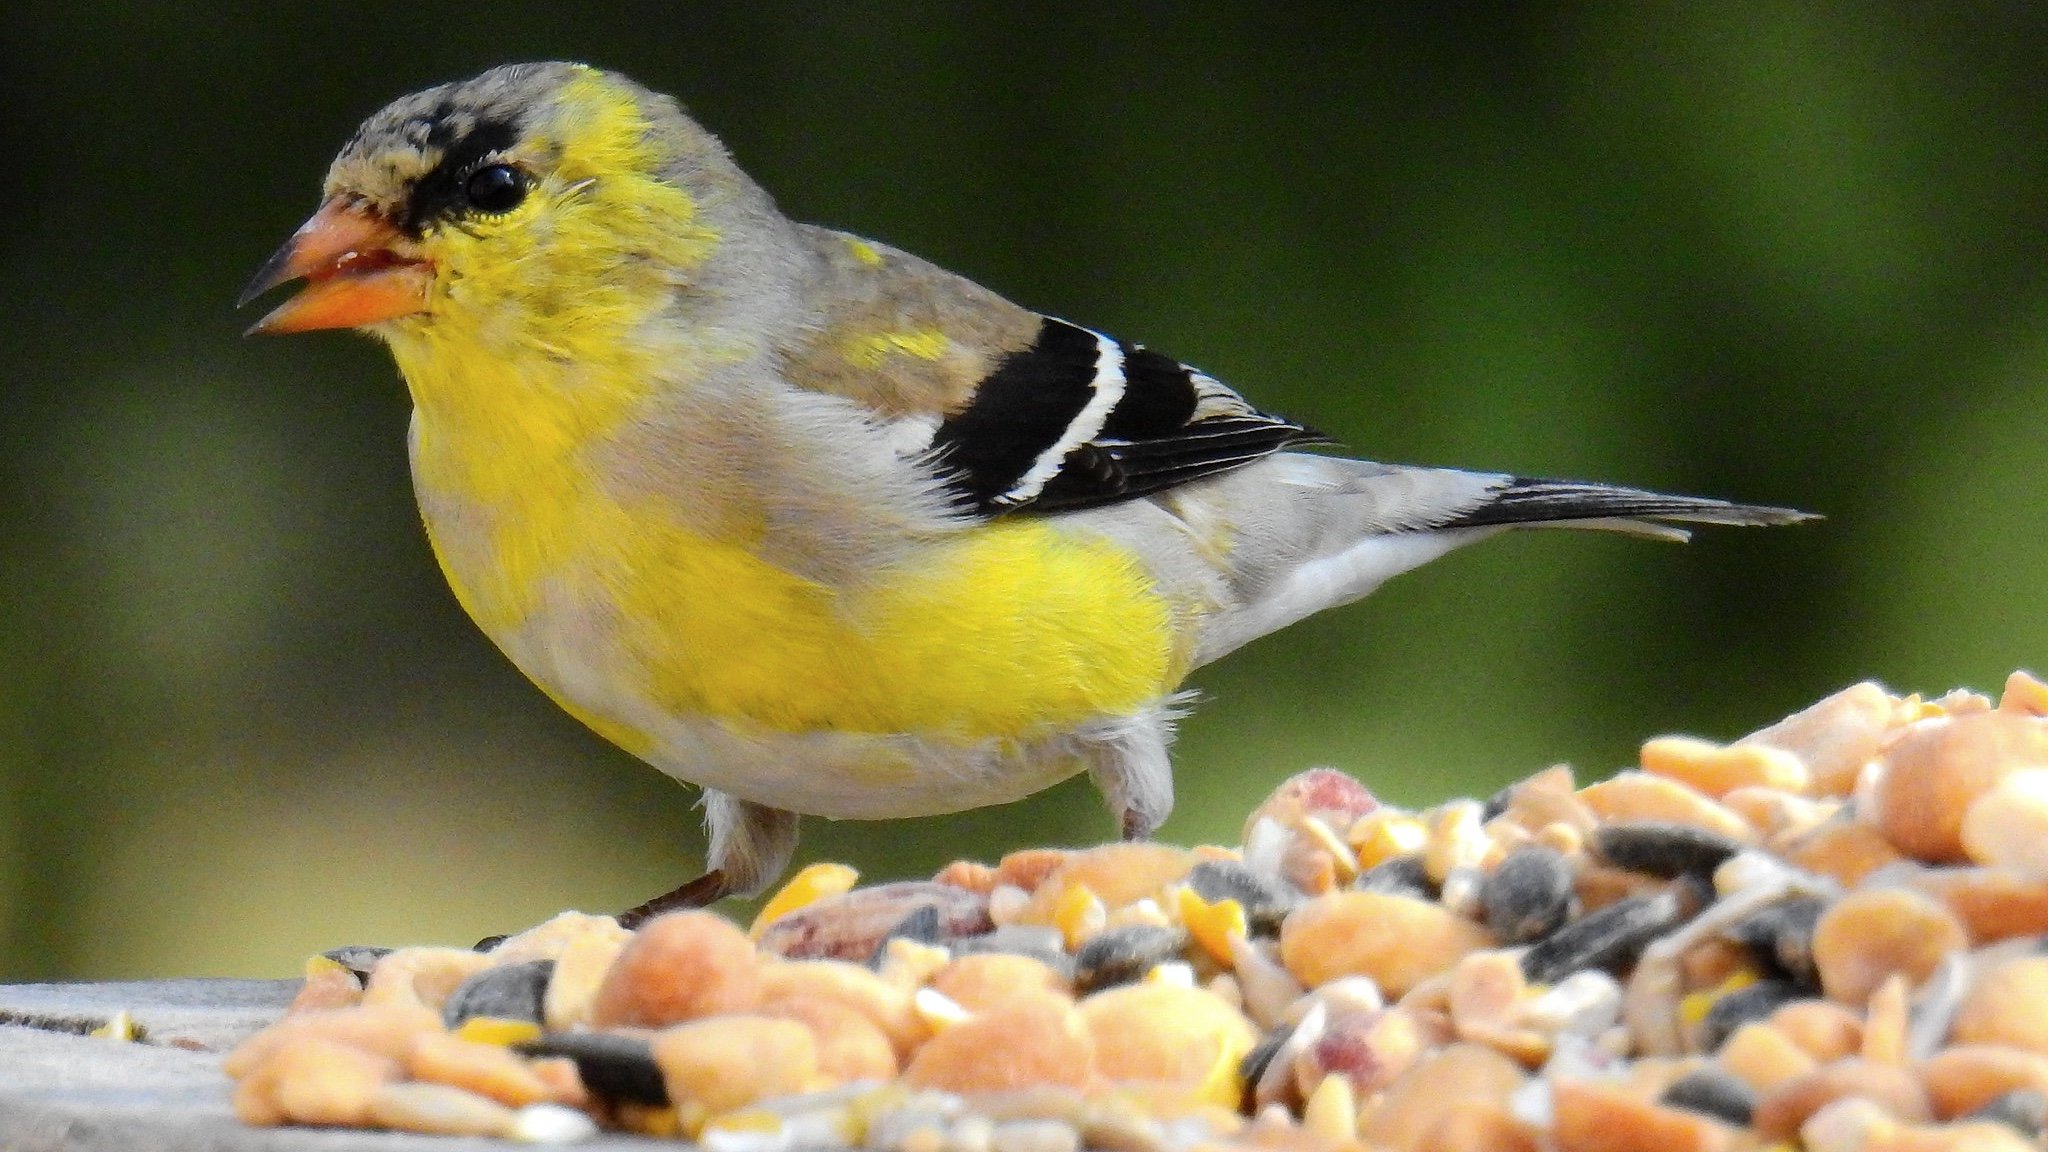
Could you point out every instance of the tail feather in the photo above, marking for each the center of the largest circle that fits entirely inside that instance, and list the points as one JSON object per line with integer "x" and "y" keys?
{"x": 1292, "y": 534}
{"x": 1577, "y": 504}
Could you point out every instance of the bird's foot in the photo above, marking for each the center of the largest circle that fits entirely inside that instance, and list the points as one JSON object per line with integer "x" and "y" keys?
{"x": 1136, "y": 826}
{"x": 709, "y": 888}
{"x": 706, "y": 889}
{"x": 1129, "y": 764}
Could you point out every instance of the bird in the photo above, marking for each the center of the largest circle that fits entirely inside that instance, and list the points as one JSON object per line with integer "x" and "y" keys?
{"x": 805, "y": 520}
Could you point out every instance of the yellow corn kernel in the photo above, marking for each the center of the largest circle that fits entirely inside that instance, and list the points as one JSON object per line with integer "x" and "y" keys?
{"x": 807, "y": 887}
{"x": 1332, "y": 1112}
{"x": 744, "y": 1120}
{"x": 1382, "y": 835}
{"x": 120, "y": 1026}
{"x": 1693, "y": 1008}
{"x": 1222, "y": 1086}
{"x": 1078, "y": 914}
{"x": 498, "y": 1030}
{"x": 1212, "y": 925}
{"x": 318, "y": 965}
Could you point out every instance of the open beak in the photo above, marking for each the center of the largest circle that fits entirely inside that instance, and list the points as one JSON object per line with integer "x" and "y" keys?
{"x": 354, "y": 275}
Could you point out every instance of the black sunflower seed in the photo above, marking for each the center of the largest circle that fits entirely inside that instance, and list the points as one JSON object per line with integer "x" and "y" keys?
{"x": 1715, "y": 1093}
{"x": 507, "y": 992}
{"x": 1266, "y": 899}
{"x": 1745, "y": 1006}
{"x": 1781, "y": 937}
{"x": 358, "y": 959}
{"x": 920, "y": 927}
{"x": 1122, "y": 955}
{"x": 1528, "y": 895}
{"x": 1400, "y": 876}
{"x": 1609, "y": 939}
{"x": 613, "y": 1066}
{"x": 1663, "y": 849}
{"x": 1252, "y": 1068}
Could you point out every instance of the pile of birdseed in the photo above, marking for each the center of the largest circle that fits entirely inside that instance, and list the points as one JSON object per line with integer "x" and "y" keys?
{"x": 1826, "y": 935}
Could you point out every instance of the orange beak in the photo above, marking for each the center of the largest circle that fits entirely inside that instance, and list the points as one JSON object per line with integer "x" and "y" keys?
{"x": 354, "y": 276}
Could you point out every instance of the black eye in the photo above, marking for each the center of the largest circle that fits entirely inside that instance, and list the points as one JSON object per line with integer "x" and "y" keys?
{"x": 495, "y": 188}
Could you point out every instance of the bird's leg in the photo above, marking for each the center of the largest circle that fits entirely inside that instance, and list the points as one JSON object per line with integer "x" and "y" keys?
{"x": 707, "y": 889}
{"x": 750, "y": 846}
{"x": 1131, "y": 767}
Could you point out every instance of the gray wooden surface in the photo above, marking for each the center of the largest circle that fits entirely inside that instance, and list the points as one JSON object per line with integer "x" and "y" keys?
{"x": 61, "y": 1090}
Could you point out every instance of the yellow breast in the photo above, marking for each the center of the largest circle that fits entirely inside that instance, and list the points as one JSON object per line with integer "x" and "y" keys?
{"x": 1011, "y": 629}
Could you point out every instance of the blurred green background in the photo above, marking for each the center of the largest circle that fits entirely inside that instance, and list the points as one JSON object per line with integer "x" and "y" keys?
{"x": 1781, "y": 252}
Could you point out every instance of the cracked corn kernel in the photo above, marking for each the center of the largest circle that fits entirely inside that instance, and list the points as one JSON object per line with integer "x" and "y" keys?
{"x": 1214, "y": 926}
{"x": 807, "y": 887}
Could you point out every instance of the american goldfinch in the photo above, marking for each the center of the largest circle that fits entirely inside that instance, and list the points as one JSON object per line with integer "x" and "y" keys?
{"x": 805, "y": 520}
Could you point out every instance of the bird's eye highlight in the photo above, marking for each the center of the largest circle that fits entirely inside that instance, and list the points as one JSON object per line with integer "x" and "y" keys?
{"x": 495, "y": 188}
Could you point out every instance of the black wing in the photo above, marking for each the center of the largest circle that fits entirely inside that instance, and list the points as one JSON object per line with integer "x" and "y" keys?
{"x": 1079, "y": 419}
